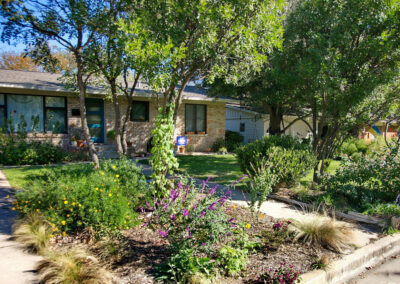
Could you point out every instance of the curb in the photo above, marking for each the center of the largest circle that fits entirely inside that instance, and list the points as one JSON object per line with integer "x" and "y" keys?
{"x": 352, "y": 265}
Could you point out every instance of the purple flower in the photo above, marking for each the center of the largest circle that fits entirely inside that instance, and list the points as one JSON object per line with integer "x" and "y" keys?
{"x": 203, "y": 244}
{"x": 213, "y": 190}
{"x": 180, "y": 186}
{"x": 174, "y": 195}
{"x": 185, "y": 212}
{"x": 148, "y": 206}
{"x": 398, "y": 199}
{"x": 163, "y": 233}
{"x": 141, "y": 209}
{"x": 189, "y": 232}
{"x": 173, "y": 217}
{"x": 202, "y": 214}
{"x": 194, "y": 206}
{"x": 211, "y": 207}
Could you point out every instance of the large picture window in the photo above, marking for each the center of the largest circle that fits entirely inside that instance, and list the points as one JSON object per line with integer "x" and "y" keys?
{"x": 38, "y": 113}
{"x": 140, "y": 111}
{"x": 195, "y": 118}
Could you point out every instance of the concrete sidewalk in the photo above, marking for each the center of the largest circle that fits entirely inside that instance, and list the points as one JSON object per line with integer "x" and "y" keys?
{"x": 16, "y": 266}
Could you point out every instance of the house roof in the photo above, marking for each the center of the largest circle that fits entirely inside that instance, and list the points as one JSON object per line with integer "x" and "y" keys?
{"x": 33, "y": 80}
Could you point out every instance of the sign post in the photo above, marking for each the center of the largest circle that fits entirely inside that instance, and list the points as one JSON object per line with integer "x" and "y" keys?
{"x": 181, "y": 142}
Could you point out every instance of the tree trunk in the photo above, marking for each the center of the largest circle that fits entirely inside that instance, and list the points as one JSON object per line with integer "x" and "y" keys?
{"x": 117, "y": 123}
{"x": 275, "y": 118}
{"x": 82, "y": 107}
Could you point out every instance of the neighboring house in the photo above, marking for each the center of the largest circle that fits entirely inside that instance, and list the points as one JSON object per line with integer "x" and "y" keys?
{"x": 253, "y": 125}
{"x": 369, "y": 133}
{"x": 45, "y": 97}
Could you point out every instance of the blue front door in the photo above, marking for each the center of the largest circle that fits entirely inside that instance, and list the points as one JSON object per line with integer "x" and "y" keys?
{"x": 95, "y": 119}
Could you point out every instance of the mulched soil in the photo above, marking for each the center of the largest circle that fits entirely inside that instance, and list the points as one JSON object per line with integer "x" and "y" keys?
{"x": 146, "y": 249}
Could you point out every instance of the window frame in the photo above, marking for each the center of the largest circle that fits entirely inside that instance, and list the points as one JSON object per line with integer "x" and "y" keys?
{"x": 195, "y": 118}
{"x": 4, "y": 107}
{"x": 65, "y": 108}
{"x": 147, "y": 111}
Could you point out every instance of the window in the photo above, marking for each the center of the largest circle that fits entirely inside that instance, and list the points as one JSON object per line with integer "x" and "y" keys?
{"x": 242, "y": 127}
{"x": 195, "y": 118}
{"x": 2, "y": 110}
{"x": 140, "y": 111}
{"x": 56, "y": 114}
{"x": 39, "y": 113}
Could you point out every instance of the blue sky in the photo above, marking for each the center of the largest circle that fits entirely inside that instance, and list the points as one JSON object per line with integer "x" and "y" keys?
{"x": 4, "y": 47}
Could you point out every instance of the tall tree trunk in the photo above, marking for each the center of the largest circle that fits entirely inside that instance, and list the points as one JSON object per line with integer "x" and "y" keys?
{"x": 82, "y": 107}
{"x": 275, "y": 118}
{"x": 117, "y": 122}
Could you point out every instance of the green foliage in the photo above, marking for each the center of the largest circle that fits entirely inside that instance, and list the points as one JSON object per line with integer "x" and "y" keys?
{"x": 222, "y": 150}
{"x": 369, "y": 180}
{"x": 233, "y": 140}
{"x": 162, "y": 159}
{"x": 218, "y": 144}
{"x": 72, "y": 200}
{"x": 354, "y": 147}
{"x": 232, "y": 260}
{"x": 111, "y": 134}
{"x": 387, "y": 209}
{"x": 261, "y": 182}
{"x": 287, "y": 158}
{"x": 184, "y": 267}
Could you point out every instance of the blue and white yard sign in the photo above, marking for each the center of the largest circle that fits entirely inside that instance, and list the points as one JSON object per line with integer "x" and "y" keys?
{"x": 181, "y": 141}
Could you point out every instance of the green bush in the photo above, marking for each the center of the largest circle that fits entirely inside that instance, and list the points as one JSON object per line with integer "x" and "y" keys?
{"x": 185, "y": 267}
{"x": 365, "y": 182}
{"x": 233, "y": 140}
{"x": 287, "y": 157}
{"x": 218, "y": 144}
{"x": 355, "y": 147}
{"x": 73, "y": 198}
{"x": 232, "y": 260}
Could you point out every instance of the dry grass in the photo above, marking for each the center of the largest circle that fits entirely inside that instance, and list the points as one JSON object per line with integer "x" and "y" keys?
{"x": 110, "y": 249}
{"x": 72, "y": 266}
{"x": 325, "y": 231}
{"x": 33, "y": 232}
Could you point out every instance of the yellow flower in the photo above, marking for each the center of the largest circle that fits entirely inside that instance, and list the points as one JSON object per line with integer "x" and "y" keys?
{"x": 117, "y": 176}
{"x": 110, "y": 194}
{"x": 102, "y": 173}
{"x": 114, "y": 167}
{"x": 67, "y": 215}
{"x": 13, "y": 209}
{"x": 126, "y": 228}
{"x": 73, "y": 203}
{"x": 66, "y": 202}
{"x": 79, "y": 205}
{"x": 8, "y": 196}
{"x": 234, "y": 206}
{"x": 38, "y": 202}
{"x": 96, "y": 188}
{"x": 248, "y": 226}
{"x": 64, "y": 234}
{"x": 37, "y": 210}
{"x": 63, "y": 222}
{"x": 261, "y": 216}
{"x": 51, "y": 236}
{"x": 26, "y": 201}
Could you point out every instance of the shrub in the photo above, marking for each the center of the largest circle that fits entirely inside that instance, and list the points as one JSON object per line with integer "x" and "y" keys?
{"x": 72, "y": 266}
{"x": 366, "y": 181}
{"x": 33, "y": 232}
{"x": 288, "y": 158}
{"x": 218, "y": 144}
{"x": 280, "y": 275}
{"x": 325, "y": 232}
{"x": 184, "y": 267}
{"x": 232, "y": 260}
{"x": 222, "y": 150}
{"x": 72, "y": 198}
{"x": 233, "y": 140}
{"x": 191, "y": 218}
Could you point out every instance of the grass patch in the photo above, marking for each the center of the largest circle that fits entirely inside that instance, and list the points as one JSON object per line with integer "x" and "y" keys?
{"x": 223, "y": 168}
{"x": 331, "y": 169}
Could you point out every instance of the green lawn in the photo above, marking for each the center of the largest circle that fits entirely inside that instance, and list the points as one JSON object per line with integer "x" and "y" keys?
{"x": 223, "y": 168}
{"x": 20, "y": 177}
{"x": 331, "y": 169}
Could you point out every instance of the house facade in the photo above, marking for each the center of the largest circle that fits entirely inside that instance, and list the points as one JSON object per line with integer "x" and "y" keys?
{"x": 51, "y": 112}
{"x": 253, "y": 125}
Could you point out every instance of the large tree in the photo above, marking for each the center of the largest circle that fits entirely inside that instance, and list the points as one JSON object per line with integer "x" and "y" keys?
{"x": 213, "y": 38}
{"x": 340, "y": 52}
{"x": 71, "y": 24}
{"x": 17, "y": 61}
